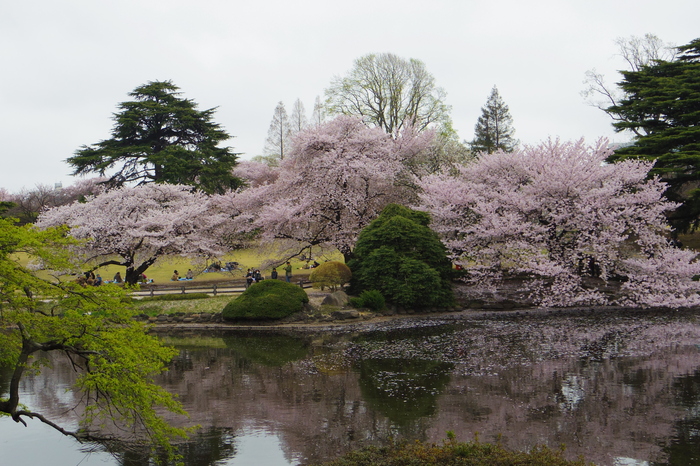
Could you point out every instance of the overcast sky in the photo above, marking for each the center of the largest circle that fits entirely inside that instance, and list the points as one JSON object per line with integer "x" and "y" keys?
{"x": 65, "y": 65}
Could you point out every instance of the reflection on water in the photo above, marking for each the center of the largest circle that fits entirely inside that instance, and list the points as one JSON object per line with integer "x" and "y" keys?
{"x": 620, "y": 390}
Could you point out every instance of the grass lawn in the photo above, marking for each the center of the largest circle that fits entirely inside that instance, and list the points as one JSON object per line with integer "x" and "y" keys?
{"x": 162, "y": 270}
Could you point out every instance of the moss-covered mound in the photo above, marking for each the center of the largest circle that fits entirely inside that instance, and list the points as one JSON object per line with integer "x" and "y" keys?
{"x": 266, "y": 300}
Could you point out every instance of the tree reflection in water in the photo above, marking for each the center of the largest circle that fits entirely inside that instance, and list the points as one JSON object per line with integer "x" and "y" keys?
{"x": 609, "y": 387}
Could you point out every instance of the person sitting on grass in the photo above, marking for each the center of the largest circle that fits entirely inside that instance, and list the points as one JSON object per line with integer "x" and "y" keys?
{"x": 189, "y": 275}
{"x": 175, "y": 277}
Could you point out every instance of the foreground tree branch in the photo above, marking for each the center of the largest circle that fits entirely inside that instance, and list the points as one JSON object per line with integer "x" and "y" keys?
{"x": 114, "y": 357}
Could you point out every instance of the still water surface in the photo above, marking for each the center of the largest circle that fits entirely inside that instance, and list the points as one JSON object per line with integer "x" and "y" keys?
{"x": 619, "y": 389}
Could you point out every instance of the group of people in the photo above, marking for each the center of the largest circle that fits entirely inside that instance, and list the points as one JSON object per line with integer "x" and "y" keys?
{"x": 90, "y": 279}
{"x": 188, "y": 276}
{"x": 287, "y": 272}
{"x": 253, "y": 276}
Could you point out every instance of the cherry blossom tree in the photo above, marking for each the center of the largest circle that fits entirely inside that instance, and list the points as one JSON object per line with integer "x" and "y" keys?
{"x": 336, "y": 179}
{"x": 255, "y": 173}
{"x": 135, "y": 226}
{"x": 560, "y": 215}
{"x": 29, "y": 203}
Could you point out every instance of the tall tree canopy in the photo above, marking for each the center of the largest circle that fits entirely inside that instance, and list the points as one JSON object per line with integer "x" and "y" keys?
{"x": 559, "y": 214}
{"x": 163, "y": 138}
{"x": 494, "y": 129}
{"x": 337, "y": 178}
{"x": 389, "y": 92}
{"x": 93, "y": 329}
{"x": 135, "y": 226}
{"x": 662, "y": 108}
{"x": 297, "y": 119}
{"x": 279, "y": 134}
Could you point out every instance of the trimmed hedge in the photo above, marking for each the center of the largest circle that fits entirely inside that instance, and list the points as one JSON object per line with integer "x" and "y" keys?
{"x": 266, "y": 300}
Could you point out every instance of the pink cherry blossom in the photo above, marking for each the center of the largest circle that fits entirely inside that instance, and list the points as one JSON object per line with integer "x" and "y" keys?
{"x": 135, "y": 226}
{"x": 335, "y": 180}
{"x": 558, "y": 213}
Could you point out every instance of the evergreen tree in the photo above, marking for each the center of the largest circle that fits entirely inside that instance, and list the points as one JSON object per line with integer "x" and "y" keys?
{"x": 662, "y": 107}
{"x": 494, "y": 129}
{"x": 163, "y": 138}
{"x": 401, "y": 257}
{"x": 279, "y": 134}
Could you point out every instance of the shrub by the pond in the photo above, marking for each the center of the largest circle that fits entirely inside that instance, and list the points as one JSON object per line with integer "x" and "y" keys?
{"x": 453, "y": 453}
{"x": 332, "y": 274}
{"x": 266, "y": 300}
{"x": 399, "y": 255}
{"x": 371, "y": 299}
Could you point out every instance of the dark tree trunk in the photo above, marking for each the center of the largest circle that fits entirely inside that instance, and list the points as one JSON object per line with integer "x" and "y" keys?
{"x": 133, "y": 274}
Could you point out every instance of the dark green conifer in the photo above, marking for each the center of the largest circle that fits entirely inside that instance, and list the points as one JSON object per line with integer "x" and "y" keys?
{"x": 494, "y": 129}
{"x": 662, "y": 106}
{"x": 401, "y": 257}
{"x": 163, "y": 138}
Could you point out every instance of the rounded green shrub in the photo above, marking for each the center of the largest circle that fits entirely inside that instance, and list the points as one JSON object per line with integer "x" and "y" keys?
{"x": 401, "y": 257}
{"x": 266, "y": 300}
{"x": 332, "y": 274}
{"x": 371, "y": 299}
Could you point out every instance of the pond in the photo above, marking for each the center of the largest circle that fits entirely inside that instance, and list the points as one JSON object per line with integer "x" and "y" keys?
{"x": 620, "y": 389}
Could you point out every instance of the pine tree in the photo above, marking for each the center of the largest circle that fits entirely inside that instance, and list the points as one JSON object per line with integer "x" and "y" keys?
{"x": 662, "y": 107}
{"x": 494, "y": 129}
{"x": 160, "y": 137}
{"x": 279, "y": 134}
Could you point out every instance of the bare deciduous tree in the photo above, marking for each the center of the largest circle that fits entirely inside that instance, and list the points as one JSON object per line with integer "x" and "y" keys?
{"x": 279, "y": 134}
{"x": 637, "y": 52}
{"x": 389, "y": 92}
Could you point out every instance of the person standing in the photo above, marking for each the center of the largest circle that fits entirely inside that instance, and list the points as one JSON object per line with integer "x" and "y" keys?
{"x": 273, "y": 275}
{"x": 288, "y": 272}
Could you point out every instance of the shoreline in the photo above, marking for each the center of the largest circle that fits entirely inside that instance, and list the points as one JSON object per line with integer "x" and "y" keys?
{"x": 375, "y": 323}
